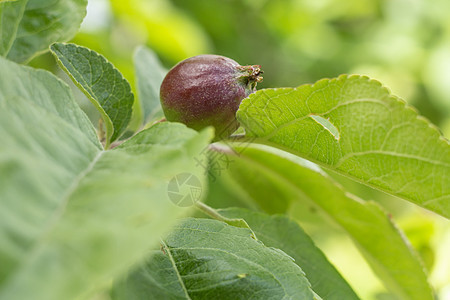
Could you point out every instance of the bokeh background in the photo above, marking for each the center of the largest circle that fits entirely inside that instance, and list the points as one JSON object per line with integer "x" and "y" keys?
{"x": 405, "y": 44}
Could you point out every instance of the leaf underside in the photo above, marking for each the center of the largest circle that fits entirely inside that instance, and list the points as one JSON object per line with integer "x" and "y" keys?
{"x": 366, "y": 223}
{"x": 149, "y": 76}
{"x": 73, "y": 215}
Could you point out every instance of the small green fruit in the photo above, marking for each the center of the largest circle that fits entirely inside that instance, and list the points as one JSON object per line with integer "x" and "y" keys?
{"x": 206, "y": 90}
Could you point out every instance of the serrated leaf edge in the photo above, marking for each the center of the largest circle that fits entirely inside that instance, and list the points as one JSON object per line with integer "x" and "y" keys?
{"x": 426, "y": 124}
{"x": 108, "y": 122}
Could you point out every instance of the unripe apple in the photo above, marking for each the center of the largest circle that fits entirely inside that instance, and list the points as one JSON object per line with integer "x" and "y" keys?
{"x": 206, "y": 90}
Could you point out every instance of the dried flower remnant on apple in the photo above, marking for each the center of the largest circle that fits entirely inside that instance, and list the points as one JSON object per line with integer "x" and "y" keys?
{"x": 206, "y": 90}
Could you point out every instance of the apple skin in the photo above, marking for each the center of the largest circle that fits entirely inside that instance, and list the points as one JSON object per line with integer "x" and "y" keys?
{"x": 206, "y": 90}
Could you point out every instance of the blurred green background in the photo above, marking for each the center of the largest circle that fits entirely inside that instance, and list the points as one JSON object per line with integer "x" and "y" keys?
{"x": 405, "y": 44}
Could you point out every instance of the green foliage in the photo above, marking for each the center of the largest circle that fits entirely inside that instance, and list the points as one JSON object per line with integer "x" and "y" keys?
{"x": 101, "y": 82}
{"x": 204, "y": 259}
{"x": 281, "y": 232}
{"x": 365, "y": 222}
{"x": 30, "y": 26}
{"x": 149, "y": 76}
{"x": 77, "y": 218}
{"x": 369, "y": 135}
{"x": 73, "y": 214}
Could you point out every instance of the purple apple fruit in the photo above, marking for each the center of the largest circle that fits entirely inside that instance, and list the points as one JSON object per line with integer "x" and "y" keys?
{"x": 206, "y": 90}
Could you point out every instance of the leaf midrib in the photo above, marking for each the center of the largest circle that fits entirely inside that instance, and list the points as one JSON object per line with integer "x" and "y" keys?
{"x": 259, "y": 266}
{"x": 172, "y": 261}
{"x": 390, "y": 153}
{"x": 87, "y": 90}
{"x": 274, "y": 132}
{"x": 14, "y": 36}
{"x": 57, "y": 214}
{"x": 300, "y": 118}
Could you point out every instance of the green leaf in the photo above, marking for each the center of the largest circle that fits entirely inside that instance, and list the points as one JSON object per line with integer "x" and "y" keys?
{"x": 156, "y": 279}
{"x": 149, "y": 76}
{"x": 224, "y": 191}
{"x": 234, "y": 182}
{"x": 28, "y": 27}
{"x": 353, "y": 125}
{"x": 373, "y": 232}
{"x": 102, "y": 83}
{"x": 208, "y": 259}
{"x": 215, "y": 214}
{"x": 10, "y": 15}
{"x": 72, "y": 215}
{"x": 281, "y": 232}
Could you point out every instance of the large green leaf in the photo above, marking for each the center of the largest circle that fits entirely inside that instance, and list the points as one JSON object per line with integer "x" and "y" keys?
{"x": 233, "y": 182}
{"x": 149, "y": 76}
{"x": 28, "y": 27}
{"x": 353, "y": 125}
{"x": 281, "y": 232}
{"x": 366, "y": 223}
{"x": 71, "y": 214}
{"x": 208, "y": 259}
{"x": 102, "y": 83}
